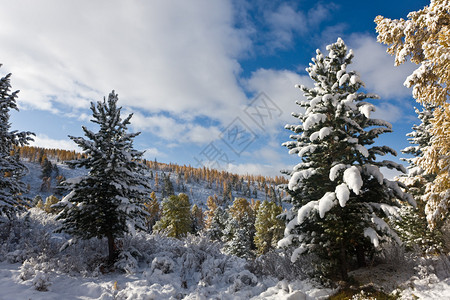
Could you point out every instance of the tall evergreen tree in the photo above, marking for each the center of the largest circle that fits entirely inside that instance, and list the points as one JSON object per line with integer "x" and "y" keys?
{"x": 239, "y": 231}
{"x": 47, "y": 168}
{"x": 108, "y": 202}
{"x": 167, "y": 189}
{"x": 197, "y": 219}
{"x": 339, "y": 196}
{"x": 12, "y": 169}
{"x": 217, "y": 224}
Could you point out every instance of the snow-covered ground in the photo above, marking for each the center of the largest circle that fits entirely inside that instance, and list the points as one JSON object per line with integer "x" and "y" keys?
{"x": 156, "y": 267}
{"x": 150, "y": 267}
{"x": 33, "y": 266}
{"x": 34, "y": 181}
{"x": 139, "y": 286}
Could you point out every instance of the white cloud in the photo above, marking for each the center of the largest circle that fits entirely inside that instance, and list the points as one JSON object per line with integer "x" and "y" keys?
{"x": 256, "y": 169}
{"x": 279, "y": 86}
{"x": 268, "y": 154}
{"x": 170, "y": 129}
{"x": 284, "y": 22}
{"x": 377, "y": 68}
{"x": 43, "y": 141}
{"x": 287, "y": 22}
{"x": 152, "y": 153}
{"x": 201, "y": 135}
{"x": 390, "y": 173}
{"x": 388, "y": 112}
{"x": 174, "y": 56}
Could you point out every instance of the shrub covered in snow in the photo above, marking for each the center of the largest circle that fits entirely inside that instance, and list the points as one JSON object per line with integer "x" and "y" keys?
{"x": 41, "y": 281}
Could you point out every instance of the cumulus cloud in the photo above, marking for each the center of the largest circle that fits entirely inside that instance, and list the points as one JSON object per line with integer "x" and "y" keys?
{"x": 256, "y": 169}
{"x": 377, "y": 68}
{"x": 152, "y": 153}
{"x": 391, "y": 112}
{"x": 170, "y": 129}
{"x": 287, "y": 21}
{"x": 390, "y": 173}
{"x": 279, "y": 86}
{"x": 173, "y": 56}
{"x": 42, "y": 140}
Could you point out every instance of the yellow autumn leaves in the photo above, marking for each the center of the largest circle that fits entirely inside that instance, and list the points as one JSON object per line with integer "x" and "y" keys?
{"x": 425, "y": 38}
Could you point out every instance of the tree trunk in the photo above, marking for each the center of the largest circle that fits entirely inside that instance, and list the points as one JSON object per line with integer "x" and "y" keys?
{"x": 360, "y": 257}
{"x": 343, "y": 263}
{"x": 111, "y": 248}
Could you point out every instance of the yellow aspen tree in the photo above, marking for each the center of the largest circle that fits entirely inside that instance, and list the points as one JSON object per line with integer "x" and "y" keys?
{"x": 425, "y": 38}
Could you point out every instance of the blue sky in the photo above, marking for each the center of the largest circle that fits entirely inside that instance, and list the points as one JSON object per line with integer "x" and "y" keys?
{"x": 192, "y": 72}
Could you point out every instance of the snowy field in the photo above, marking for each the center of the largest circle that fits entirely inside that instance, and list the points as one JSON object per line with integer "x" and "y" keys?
{"x": 150, "y": 267}
{"x": 156, "y": 267}
{"x": 34, "y": 266}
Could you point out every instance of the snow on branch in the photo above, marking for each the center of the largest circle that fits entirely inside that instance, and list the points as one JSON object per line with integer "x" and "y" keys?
{"x": 352, "y": 177}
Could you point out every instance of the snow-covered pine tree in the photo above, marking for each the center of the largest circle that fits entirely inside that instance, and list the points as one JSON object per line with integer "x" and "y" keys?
{"x": 167, "y": 188}
{"x": 217, "y": 223}
{"x": 239, "y": 231}
{"x": 240, "y": 243}
{"x": 412, "y": 224}
{"x": 109, "y": 201}
{"x": 12, "y": 169}
{"x": 197, "y": 219}
{"x": 420, "y": 138}
{"x": 339, "y": 196}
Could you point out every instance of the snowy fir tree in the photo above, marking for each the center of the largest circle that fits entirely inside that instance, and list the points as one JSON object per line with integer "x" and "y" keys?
{"x": 197, "y": 219}
{"x": 412, "y": 224}
{"x": 109, "y": 201}
{"x": 339, "y": 196}
{"x": 240, "y": 242}
{"x": 420, "y": 138}
{"x": 12, "y": 169}
{"x": 167, "y": 188}
{"x": 239, "y": 231}
{"x": 216, "y": 224}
